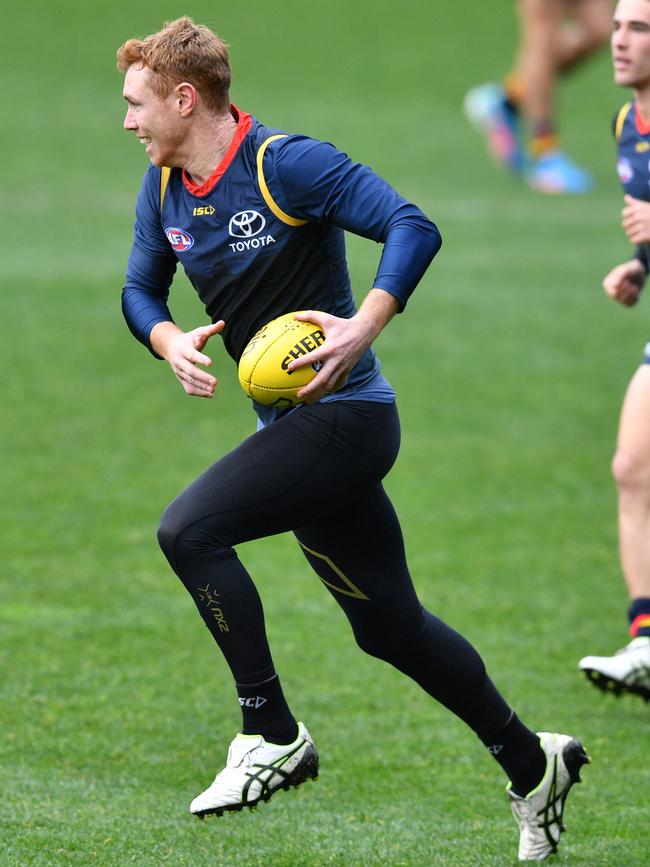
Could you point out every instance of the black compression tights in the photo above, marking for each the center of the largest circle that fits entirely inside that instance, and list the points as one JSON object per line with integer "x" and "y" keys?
{"x": 317, "y": 472}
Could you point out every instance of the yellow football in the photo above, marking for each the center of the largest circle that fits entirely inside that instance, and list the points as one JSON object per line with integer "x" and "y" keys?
{"x": 263, "y": 366}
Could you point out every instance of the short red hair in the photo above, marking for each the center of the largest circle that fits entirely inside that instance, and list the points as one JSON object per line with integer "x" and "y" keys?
{"x": 183, "y": 51}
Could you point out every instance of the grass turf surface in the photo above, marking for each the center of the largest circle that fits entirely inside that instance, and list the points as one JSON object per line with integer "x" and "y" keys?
{"x": 510, "y": 366}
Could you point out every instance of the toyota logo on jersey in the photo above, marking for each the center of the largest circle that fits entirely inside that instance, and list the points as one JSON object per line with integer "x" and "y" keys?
{"x": 245, "y": 224}
{"x": 181, "y": 241}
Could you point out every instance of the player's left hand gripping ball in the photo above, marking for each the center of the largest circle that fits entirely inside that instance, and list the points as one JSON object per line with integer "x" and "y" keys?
{"x": 263, "y": 367}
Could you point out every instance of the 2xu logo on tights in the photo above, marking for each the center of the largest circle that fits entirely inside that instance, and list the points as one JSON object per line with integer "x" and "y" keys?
{"x": 210, "y": 598}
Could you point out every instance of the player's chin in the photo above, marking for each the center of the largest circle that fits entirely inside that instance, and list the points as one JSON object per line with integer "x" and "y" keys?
{"x": 624, "y": 78}
{"x": 158, "y": 157}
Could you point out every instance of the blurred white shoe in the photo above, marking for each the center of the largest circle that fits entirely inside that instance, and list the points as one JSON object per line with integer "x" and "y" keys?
{"x": 628, "y": 671}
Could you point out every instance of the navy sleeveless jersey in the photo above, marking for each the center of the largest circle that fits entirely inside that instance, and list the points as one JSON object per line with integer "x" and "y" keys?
{"x": 633, "y": 162}
{"x": 265, "y": 236}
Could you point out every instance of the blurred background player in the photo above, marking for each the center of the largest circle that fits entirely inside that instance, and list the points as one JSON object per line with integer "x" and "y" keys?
{"x": 629, "y": 669}
{"x": 517, "y": 116}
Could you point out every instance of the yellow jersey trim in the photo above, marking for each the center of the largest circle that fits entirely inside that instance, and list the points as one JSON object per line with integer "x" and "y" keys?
{"x": 620, "y": 120}
{"x": 165, "y": 172}
{"x": 268, "y": 198}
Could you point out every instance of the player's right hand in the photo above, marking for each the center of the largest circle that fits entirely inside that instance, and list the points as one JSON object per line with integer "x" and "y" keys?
{"x": 183, "y": 351}
{"x": 625, "y": 282}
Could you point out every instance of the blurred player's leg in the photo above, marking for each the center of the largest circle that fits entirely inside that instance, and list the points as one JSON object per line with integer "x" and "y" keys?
{"x": 518, "y": 116}
{"x": 489, "y": 109}
{"x": 537, "y": 67}
{"x": 586, "y": 28}
{"x": 629, "y": 669}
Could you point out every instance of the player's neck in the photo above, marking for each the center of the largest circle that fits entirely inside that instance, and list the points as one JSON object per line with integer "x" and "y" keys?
{"x": 642, "y": 98}
{"x": 209, "y": 146}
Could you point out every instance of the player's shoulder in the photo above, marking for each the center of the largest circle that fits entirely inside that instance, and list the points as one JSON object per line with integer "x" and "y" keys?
{"x": 299, "y": 157}
{"x": 275, "y": 141}
{"x": 288, "y": 161}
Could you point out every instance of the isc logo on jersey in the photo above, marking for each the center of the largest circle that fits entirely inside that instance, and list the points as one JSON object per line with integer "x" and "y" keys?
{"x": 181, "y": 241}
{"x": 246, "y": 227}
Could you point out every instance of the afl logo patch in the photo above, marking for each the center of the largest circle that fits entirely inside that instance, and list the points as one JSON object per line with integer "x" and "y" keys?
{"x": 625, "y": 170}
{"x": 246, "y": 224}
{"x": 181, "y": 241}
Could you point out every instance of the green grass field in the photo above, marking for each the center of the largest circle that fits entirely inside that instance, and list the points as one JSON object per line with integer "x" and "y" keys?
{"x": 510, "y": 365}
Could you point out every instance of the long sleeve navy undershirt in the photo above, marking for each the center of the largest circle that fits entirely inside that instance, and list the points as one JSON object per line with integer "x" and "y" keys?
{"x": 310, "y": 180}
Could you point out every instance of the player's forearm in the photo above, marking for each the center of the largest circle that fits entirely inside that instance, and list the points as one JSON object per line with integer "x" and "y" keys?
{"x": 411, "y": 243}
{"x": 376, "y": 311}
{"x": 142, "y": 311}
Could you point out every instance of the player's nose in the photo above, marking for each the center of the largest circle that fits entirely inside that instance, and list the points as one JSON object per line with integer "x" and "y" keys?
{"x": 129, "y": 122}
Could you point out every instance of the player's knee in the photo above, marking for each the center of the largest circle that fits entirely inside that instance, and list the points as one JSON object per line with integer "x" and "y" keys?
{"x": 382, "y": 641}
{"x": 600, "y": 30}
{"x": 177, "y": 532}
{"x": 631, "y": 473}
{"x": 169, "y": 531}
{"x": 391, "y": 633}
{"x": 378, "y": 648}
{"x": 184, "y": 534}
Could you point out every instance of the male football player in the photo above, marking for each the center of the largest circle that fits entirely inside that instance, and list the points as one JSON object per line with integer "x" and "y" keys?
{"x": 517, "y": 117}
{"x": 629, "y": 669}
{"x": 219, "y": 178}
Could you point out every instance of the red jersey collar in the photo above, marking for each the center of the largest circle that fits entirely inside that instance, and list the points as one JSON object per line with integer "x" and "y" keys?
{"x": 244, "y": 123}
{"x": 642, "y": 127}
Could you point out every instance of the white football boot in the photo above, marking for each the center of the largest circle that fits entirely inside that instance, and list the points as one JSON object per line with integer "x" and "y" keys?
{"x": 255, "y": 769}
{"x": 628, "y": 671}
{"x": 539, "y": 814}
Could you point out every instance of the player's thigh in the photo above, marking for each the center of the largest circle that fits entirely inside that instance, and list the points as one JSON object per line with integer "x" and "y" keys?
{"x": 305, "y": 464}
{"x": 634, "y": 425}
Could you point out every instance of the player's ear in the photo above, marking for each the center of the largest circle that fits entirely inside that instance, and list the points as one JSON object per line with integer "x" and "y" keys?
{"x": 185, "y": 98}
